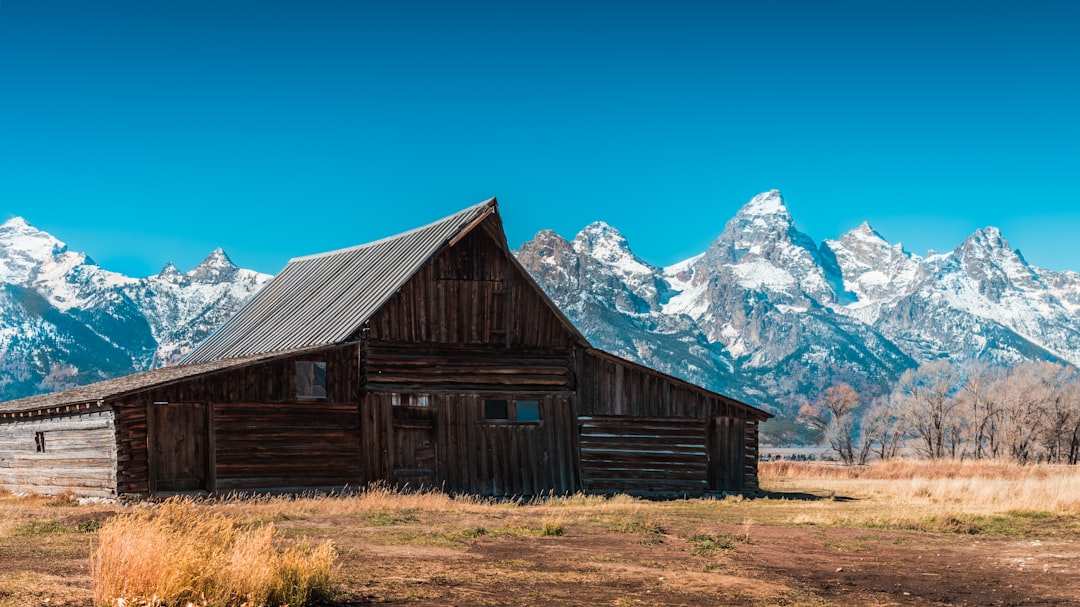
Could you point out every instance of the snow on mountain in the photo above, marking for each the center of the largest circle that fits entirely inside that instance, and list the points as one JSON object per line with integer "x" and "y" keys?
{"x": 614, "y": 298}
{"x": 65, "y": 321}
{"x": 764, "y": 313}
{"x": 182, "y": 309}
{"x": 780, "y": 317}
{"x": 873, "y": 270}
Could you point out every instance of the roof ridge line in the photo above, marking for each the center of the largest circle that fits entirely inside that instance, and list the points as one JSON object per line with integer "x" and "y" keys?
{"x": 385, "y": 239}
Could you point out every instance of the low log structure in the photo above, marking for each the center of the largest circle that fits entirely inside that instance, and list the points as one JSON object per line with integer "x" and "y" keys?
{"x": 427, "y": 359}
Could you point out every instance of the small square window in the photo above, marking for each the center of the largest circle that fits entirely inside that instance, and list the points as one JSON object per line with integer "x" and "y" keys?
{"x": 310, "y": 379}
{"x": 496, "y": 409}
{"x": 527, "y": 411}
{"x": 506, "y": 410}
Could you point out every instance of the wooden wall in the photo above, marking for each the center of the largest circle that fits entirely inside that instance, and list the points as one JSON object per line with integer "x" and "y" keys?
{"x": 654, "y": 434}
{"x": 469, "y": 325}
{"x": 285, "y": 445}
{"x": 261, "y": 435}
{"x": 78, "y": 454}
{"x": 471, "y": 294}
{"x": 645, "y": 456}
{"x": 389, "y": 367}
{"x": 471, "y": 454}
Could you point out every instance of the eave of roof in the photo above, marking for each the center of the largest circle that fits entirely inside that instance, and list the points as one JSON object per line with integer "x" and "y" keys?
{"x": 96, "y": 394}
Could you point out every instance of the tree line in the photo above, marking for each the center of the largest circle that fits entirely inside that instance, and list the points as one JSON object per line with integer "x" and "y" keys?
{"x": 1026, "y": 413}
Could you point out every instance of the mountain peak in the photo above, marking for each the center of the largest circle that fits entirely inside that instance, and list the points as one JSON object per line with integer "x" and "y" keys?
{"x": 170, "y": 273}
{"x": 217, "y": 267}
{"x": 865, "y": 233}
{"x": 766, "y": 203}
{"x": 601, "y": 228}
{"x": 218, "y": 259}
{"x": 866, "y": 228}
{"x": 989, "y": 238}
{"x": 15, "y": 223}
{"x": 602, "y": 241}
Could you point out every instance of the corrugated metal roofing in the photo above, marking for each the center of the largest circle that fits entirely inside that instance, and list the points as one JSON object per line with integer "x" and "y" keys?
{"x": 112, "y": 388}
{"x": 323, "y": 299}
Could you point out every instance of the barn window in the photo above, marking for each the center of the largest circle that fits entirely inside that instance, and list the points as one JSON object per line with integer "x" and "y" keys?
{"x": 310, "y": 379}
{"x": 527, "y": 411}
{"x": 504, "y": 410}
{"x": 410, "y": 400}
{"x": 39, "y": 442}
{"x": 496, "y": 408}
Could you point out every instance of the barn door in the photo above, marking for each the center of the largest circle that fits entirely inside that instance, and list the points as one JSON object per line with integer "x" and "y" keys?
{"x": 178, "y": 442}
{"x": 726, "y": 454}
{"x": 414, "y": 459}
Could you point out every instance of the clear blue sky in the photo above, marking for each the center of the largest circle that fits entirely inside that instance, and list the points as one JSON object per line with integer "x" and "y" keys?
{"x": 148, "y": 131}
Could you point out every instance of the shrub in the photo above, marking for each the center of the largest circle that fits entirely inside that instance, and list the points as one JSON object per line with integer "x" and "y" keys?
{"x": 178, "y": 553}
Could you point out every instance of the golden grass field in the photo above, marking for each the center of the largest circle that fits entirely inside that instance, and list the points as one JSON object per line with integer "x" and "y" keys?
{"x": 894, "y": 533}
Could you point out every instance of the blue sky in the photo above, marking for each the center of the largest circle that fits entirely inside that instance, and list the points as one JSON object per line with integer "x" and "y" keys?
{"x": 146, "y": 132}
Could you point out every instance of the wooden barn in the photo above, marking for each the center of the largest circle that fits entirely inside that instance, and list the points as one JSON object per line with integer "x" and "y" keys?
{"x": 427, "y": 359}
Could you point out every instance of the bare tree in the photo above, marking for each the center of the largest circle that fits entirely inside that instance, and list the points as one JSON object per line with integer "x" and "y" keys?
{"x": 1023, "y": 396}
{"x": 833, "y": 414}
{"x": 980, "y": 398}
{"x": 883, "y": 429}
{"x": 1060, "y": 411}
{"x": 927, "y": 405}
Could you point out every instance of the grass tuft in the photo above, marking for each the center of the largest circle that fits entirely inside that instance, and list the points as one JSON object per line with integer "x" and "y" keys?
{"x": 553, "y": 528}
{"x": 179, "y": 554}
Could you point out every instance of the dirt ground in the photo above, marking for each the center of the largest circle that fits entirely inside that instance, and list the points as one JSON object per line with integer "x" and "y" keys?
{"x": 500, "y": 557}
{"x": 777, "y": 566}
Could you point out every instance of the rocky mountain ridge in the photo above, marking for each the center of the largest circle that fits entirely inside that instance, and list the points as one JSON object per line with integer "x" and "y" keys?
{"x": 764, "y": 314}
{"x": 767, "y": 314}
{"x": 65, "y": 321}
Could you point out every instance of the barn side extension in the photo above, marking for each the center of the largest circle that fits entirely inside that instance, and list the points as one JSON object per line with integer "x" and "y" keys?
{"x": 427, "y": 359}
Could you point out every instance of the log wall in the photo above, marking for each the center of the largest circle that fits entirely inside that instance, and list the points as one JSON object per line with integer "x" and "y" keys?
{"x": 644, "y": 456}
{"x": 619, "y": 398}
{"x": 77, "y": 456}
{"x": 286, "y": 445}
{"x": 389, "y": 367}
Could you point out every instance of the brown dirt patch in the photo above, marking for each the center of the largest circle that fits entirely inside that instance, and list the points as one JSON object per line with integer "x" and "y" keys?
{"x": 499, "y": 557}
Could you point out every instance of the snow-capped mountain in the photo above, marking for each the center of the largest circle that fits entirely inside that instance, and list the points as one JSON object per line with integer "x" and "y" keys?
{"x": 767, "y": 314}
{"x": 65, "y": 321}
{"x": 764, "y": 313}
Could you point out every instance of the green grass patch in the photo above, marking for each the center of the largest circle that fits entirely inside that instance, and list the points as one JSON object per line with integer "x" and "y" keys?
{"x": 1014, "y": 523}
{"x": 390, "y": 519}
{"x": 57, "y": 526}
{"x": 703, "y": 544}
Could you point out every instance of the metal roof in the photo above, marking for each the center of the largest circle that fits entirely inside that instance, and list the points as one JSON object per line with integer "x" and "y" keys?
{"x": 324, "y": 299}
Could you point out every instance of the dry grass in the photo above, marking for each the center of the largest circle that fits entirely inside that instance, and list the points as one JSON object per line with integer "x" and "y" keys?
{"x": 906, "y": 470}
{"x": 432, "y": 548}
{"x": 1001, "y": 498}
{"x": 181, "y": 553}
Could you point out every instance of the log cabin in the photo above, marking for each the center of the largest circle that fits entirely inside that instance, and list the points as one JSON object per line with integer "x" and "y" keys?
{"x": 429, "y": 359}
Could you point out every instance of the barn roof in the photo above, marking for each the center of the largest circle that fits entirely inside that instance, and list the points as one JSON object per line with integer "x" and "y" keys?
{"x": 326, "y": 298}
{"x": 109, "y": 389}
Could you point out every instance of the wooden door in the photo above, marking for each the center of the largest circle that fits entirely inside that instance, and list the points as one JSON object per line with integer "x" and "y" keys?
{"x": 726, "y": 454}
{"x": 178, "y": 441}
{"x": 413, "y": 456}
